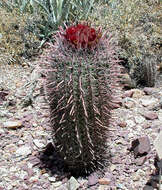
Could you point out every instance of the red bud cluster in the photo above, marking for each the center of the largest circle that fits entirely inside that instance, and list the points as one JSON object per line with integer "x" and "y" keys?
{"x": 82, "y": 36}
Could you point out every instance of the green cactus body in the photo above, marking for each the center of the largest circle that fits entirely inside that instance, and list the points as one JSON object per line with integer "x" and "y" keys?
{"x": 79, "y": 87}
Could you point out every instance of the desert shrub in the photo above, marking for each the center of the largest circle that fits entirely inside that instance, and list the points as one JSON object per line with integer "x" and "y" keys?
{"x": 51, "y": 14}
{"x": 137, "y": 27}
{"x": 16, "y": 42}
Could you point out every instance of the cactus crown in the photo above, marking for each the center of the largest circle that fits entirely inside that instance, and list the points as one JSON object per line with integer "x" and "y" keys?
{"x": 82, "y": 36}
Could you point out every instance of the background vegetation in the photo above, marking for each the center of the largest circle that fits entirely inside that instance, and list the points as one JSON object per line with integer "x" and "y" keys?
{"x": 26, "y": 24}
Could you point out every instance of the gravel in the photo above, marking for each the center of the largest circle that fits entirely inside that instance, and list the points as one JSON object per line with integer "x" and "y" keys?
{"x": 28, "y": 159}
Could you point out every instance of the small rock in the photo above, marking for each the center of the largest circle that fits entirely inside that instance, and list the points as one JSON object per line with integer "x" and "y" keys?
{"x": 113, "y": 167}
{"x": 147, "y": 187}
{"x": 104, "y": 181}
{"x": 141, "y": 161}
{"x": 146, "y": 126}
{"x": 52, "y": 179}
{"x": 57, "y": 184}
{"x": 158, "y": 145}
{"x": 128, "y": 103}
{"x": 128, "y": 93}
{"x": 92, "y": 179}
{"x": 136, "y": 177}
{"x": 148, "y": 90}
{"x": 120, "y": 186}
{"x": 147, "y": 101}
{"x": 130, "y": 123}
{"x": 137, "y": 93}
{"x": 122, "y": 124}
{"x": 116, "y": 160}
{"x": 160, "y": 116}
{"x": 12, "y": 124}
{"x": 23, "y": 151}
{"x": 150, "y": 115}
{"x": 38, "y": 143}
{"x": 141, "y": 146}
{"x": 73, "y": 184}
{"x": 3, "y": 95}
{"x": 139, "y": 119}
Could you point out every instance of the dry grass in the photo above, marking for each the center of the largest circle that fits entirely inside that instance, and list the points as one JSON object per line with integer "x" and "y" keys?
{"x": 16, "y": 42}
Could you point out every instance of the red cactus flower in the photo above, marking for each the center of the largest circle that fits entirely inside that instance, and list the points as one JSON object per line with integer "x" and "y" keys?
{"x": 82, "y": 35}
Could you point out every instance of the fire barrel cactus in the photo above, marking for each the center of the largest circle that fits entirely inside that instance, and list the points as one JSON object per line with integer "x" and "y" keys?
{"x": 82, "y": 73}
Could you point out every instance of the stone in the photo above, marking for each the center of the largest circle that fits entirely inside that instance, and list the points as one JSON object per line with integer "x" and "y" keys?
{"x": 104, "y": 181}
{"x": 128, "y": 103}
{"x": 120, "y": 186}
{"x": 13, "y": 124}
{"x": 52, "y": 179}
{"x": 137, "y": 93}
{"x": 139, "y": 119}
{"x": 3, "y": 95}
{"x": 116, "y": 160}
{"x": 141, "y": 146}
{"x": 150, "y": 115}
{"x": 92, "y": 179}
{"x": 56, "y": 184}
{"x": 147, "y": 101}
{"x": 38, "y": 143}
{"x": 158, "y": 145}
{"x": 147, "y": 187}
{"x": 128, "y": 93}
{"x": 122, "y": 124}
{"x": 113, "y": 167}
{"x": 73, "y": 184}
{"x": 130, "y": 123}
{"x": 23, "y": 151}
{"x": 148, "y": 90}
{"x": 140, "y": 161}
{"x": 136, "y": 177}
{"x": 160, "y": 116}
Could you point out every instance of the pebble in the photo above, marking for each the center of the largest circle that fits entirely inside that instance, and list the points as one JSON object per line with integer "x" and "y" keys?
{"x": 147, "y": 101}
{"x": 139, "y": 119}
{"x": 13, "y": 124}
{"x": 147, "y": 187}
{"x": 57, "y": 184}
{"x": 23, "y": 151}
{"x": 148, "y": 90}
{"x": 128, "y": 103}
{"x": 52, "y": 179}
{"x": 104, "y": 181}
{"x": 141, "y": 146}
{"x": 122, "y": 124}
{"x": 92, "y": 179}
{"x": 73, "y": 184}
{"x": 131, "y": 123}
{"x": 150, "y": 115}
{"x": 38, "y": 143}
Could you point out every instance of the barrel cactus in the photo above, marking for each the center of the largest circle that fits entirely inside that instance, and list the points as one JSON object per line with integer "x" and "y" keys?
{"x": 82, "y": 73}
